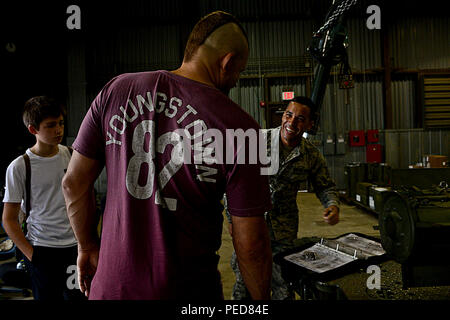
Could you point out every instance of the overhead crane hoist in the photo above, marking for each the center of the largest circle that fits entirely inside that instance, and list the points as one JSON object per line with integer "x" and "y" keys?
{"x": 328, "y": 48}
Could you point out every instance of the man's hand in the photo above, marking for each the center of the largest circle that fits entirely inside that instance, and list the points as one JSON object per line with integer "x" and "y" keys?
{"x": 87, "y": 266}
{"x": 331, "y": 215}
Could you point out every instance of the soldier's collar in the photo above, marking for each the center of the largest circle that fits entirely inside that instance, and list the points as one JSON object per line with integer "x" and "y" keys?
{"x": 294, "y": 152}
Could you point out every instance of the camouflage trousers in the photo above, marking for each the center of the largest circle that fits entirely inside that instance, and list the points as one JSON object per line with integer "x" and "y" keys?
{"x": 280, "y": 289}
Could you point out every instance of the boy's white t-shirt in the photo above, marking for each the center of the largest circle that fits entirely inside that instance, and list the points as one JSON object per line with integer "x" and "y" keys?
{"x": 48, "y": 224}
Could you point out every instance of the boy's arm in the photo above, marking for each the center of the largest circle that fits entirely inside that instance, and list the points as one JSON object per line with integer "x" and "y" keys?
{"x": 13, "y": 229}
{"x": 252, "y": 246}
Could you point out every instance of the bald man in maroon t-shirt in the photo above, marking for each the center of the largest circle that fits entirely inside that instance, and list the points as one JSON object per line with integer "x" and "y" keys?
{"x": 162, "y": 223}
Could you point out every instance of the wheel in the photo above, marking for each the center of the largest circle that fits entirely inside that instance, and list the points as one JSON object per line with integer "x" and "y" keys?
{"x": 397, "y": 228}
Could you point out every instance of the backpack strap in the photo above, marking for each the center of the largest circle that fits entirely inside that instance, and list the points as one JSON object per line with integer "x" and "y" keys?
{"x": 26, "y": 158}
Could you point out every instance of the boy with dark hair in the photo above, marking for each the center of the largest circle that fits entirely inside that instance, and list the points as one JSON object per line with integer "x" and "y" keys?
{"x": 49, "y": 245}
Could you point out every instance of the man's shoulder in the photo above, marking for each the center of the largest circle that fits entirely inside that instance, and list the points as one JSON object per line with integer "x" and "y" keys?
{"x": 245, "y": 119}
{"x": 231, "y": 116}
{"x": 309, "y": 147}
{"x": 133, "y": 77}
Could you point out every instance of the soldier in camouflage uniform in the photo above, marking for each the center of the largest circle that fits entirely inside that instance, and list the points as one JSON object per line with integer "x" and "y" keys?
{"x": 299, "y": 161}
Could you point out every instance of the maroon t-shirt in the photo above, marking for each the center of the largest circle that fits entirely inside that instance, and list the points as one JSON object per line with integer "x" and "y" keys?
{"x": 163, "y": 218}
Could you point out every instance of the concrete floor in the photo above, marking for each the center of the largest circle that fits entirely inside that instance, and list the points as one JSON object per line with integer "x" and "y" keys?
{"x": 352, "y": 219}
{"x": 311, "y": 224}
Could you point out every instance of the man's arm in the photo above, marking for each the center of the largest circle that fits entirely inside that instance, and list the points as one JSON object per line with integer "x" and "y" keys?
{"x": 326, "y": 191}
{"x": 252, "y": 246}
{"x": 78, "y": 192}
{"x": 13, "y": 229}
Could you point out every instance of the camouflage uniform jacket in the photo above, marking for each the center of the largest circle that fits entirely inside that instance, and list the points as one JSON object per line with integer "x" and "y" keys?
{"x": 304, "y": 162}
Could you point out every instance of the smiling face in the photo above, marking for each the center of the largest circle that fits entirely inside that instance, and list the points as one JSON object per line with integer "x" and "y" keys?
{"x": 296, "y": 120}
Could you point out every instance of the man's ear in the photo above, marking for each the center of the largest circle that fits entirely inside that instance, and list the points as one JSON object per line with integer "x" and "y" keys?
{"x": 310, "y": 125}
{"x": 226, "y": 61}
{"x": 32, "y": 129}
{"x": 312, "y": 121}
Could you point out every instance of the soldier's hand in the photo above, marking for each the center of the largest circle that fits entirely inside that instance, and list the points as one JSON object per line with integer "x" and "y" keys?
{"x": 331, "y": 215}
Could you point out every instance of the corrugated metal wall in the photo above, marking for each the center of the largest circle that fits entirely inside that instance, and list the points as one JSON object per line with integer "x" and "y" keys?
{"x": 364, "y": 50}
{"x": 276, "y": 39}
{"x": 404, "y": 101}
{"x": 248, "y": 94}
{"x": 132, "y": 50}
{"x": 402, "y": 147}
{"x": 264, "y": 9}
{"x": 152, "y": 34}
{"x": 420, "y": 43}
{"x": 359, "y": 108}
{"x": 298, "y": 85}
{"x": 406, "y": 147}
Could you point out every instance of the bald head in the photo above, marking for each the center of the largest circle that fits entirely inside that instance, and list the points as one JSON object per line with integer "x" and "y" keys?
{"x": 227, "y": 38}
{"x": 216, "y": 52}
{"x": 221, "y": 30}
